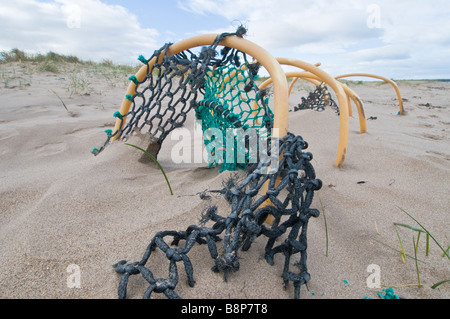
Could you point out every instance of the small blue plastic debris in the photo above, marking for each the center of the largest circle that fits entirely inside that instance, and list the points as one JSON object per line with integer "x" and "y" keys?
{"x": 388, "y": 294}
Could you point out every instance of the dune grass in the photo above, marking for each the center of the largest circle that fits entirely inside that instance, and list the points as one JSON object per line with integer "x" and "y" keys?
{"x": 78, "y": 75}
{"x": 428, "y": 234}
{"x": 64, "y": 104}
{"x": 418, "y": 231}
{"x": 326, "y": 227}
{"x": 16, "y": 55}
{"x": 416, "y": 244}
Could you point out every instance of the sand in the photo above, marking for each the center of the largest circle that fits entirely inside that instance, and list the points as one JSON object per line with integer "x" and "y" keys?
{"x": 62, "y": 206}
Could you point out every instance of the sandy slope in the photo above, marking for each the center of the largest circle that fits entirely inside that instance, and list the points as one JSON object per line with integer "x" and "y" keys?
{"x": 60, "y": 205}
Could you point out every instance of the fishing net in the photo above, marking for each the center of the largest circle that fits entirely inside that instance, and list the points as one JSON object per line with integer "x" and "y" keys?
{"x": 279, "y": 182}
{"x": 287, "y": 201}
{"x": 221, "y": 90}
{"x": 318, "y": 100}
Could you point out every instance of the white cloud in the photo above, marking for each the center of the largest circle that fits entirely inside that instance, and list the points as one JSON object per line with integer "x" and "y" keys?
{"x": 292, "y": 23}
{"x": 398, "y": 39}
{"x": 88, "y": 29}
{"x": 385, "y": 53}
{"x": 380, "y": 36}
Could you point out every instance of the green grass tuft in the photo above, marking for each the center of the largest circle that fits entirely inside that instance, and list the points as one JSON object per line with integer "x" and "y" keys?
{"x": 428, "y": 233}
{"x": 326, "y": 227}
{"x": 154, "y": 160}
{"x": 64, "y": 104}
{"x": 419, "y": 231}
{"x": 48, "y": 66}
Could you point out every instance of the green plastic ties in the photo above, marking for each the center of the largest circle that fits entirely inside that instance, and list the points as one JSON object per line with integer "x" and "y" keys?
{"x": 108, "y": 132}
{"x": 117, "y": 114}
{"x": 129, "y": 97}
{"x": 134, "y": 79}
{"x": 95, "y": 151}
{"x": 142, "y": 59}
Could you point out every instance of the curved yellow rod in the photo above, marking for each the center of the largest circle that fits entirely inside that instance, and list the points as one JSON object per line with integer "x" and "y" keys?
{"x": 296, "y": 78}
{"x": 349, "y": 93}
{"x": 350, "y": 114}
{"x": 397, "y": 90}
{"x": 308, "y": 76}
{"x": 267, "y": 82}
{"x": 342, "y": 100}
{"x": 281, "y": 101}
{"x": 291, "y": 85}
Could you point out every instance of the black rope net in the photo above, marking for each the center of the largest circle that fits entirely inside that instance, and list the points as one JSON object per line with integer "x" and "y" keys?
{"x": 288, "y": 198}
{"x": 318, "y": 100}
{"x": 280, "y": 187}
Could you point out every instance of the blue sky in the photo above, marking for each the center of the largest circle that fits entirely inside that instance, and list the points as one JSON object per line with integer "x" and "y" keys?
{"x": 399, "y": 39}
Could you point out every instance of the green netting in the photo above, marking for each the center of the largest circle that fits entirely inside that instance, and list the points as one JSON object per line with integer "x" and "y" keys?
{"x": 232, "y": 103}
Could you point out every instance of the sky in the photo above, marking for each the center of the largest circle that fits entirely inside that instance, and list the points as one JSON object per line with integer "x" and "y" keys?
{"x": 398, "y": 39}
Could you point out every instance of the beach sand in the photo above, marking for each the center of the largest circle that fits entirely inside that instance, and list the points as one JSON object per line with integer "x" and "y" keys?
{"x": 62, "y": 206}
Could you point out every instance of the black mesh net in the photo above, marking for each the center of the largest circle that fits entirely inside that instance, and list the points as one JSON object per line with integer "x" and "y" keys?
{"x": 287, "y": 201}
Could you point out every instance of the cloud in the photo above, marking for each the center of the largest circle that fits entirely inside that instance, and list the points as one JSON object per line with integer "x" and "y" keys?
{"x": 373, "y": 35}
{"x": 385, "y": 53}
{"x": 88, "y": 29}
{"x": 292, "y": 23}
{"x": 391, "y": 38}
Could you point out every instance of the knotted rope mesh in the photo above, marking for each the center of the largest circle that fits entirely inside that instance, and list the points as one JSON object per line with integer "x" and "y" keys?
{"x": 288, "y": 200}
{"x": 318, "y": 100}
{"x": 223, "y": 93}
{"x": 233, "y": 101}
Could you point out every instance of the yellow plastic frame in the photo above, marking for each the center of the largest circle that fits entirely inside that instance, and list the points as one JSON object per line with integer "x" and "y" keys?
{"x": 394, "y": 85}
{"x": 281, "y": 102}
{"x": 350, "y": 94}
{"x": 314, "y": 76}
{"x": 314, "y": 72}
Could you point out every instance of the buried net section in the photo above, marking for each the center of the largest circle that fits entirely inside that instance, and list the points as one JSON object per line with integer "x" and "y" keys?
{"x": 318, "y": 100}
{"x": 290, "y": 192}
{"x": 219, "y": 86}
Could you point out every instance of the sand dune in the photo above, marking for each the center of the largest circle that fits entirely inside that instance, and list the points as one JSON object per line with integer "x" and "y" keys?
{"x": 60, "y": 205}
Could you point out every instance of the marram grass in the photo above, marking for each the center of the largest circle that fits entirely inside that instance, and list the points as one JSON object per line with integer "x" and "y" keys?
{"x": 403, "y": 254}
{"x": 154, "y": 160}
